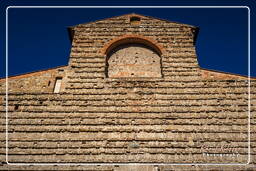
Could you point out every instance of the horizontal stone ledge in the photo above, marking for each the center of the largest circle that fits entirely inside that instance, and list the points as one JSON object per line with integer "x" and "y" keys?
{"x": 54, "y": 95}
{"x": 116, "y": 105}
{"x": 137, "y": 158}
{"x": 101, "y": 95}
{"x": 119, "y": 128}
{"x": 124, "y": 25}
{"x": 145, "y": 100}
{"x": 207, "y": 141}
{"x": 80, "y": 85}
{"x": 87, "y": 71}
{"x": 126, "y": 125}
{"x": 134, "y": 31}
{"x": 101, "y": 64}
{"x": 102, "y": 39}
{"x": 172, "y": 117}
{"x": 54, "y": 167}
{"x": 99, "y": 42}
{"x": 89, "y": 66}
{"x": 162, "y": 80}
{"x": 83, "y": 87}
{"x": 87, "y": 62}
{"x": 87, "y": 77}
{"x": 117, "y": 151}
{"x": 119, "y": 30}
{"x": 169, "y": 90}
{"x": 193, "y": 99}
{"x": 179, "y": 62}
{"x": 171, "y": 64}
{"x": 87, "y": 57}
{"x": 128, "y": 136}
{"x": 36, "y": 113}
{"x": 113, "y": 151}
{"x": 114, "y": 144}
{"x": 178, "y": 70}
{"x": 167, "y": 87}
{"x": 134, "y": 108}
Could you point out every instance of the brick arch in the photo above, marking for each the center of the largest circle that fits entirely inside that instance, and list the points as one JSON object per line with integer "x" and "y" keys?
{"x": 125, "y": 39}
{"x": 141, "y": 57}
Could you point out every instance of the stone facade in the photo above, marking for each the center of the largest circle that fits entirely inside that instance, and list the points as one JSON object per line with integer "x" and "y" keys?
{"x": 155, "y": 106}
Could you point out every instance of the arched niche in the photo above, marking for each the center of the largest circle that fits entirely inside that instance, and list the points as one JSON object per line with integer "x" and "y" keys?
{"x": 133, "y": 60}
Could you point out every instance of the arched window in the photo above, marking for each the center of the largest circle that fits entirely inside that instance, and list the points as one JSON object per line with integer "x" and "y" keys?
{"x": 133, "y": 60}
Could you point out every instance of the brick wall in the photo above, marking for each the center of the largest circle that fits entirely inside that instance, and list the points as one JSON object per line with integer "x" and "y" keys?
{"x": 187, "y": 115}
{"x": 35, "y": 82}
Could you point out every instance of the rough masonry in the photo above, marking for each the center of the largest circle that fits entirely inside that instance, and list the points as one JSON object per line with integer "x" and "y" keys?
{"x": 132, "y": 92}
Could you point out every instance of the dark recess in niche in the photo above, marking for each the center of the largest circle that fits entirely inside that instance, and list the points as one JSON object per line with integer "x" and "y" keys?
{"x": 134, "y": 20}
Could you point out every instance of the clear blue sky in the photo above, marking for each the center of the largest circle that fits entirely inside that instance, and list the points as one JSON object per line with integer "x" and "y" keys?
{"x": 38, "y": 38}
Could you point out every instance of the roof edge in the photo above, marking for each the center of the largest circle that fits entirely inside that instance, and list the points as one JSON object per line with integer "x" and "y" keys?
{"x": 71, "y": 28}
{"x": 136, "y": 15}
{"x": 188, "y": 25}
{"x": 32, "y": 73}
{"x": 228, "y": 73}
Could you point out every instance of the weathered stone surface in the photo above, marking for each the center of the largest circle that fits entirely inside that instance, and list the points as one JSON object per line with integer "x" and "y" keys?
{"x": 133, "y": 60}
{"x": 169, "y": 112}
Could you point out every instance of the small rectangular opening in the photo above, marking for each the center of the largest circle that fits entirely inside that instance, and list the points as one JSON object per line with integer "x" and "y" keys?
{"x": 16, "y": 107}
{"x": 57, "y": 85}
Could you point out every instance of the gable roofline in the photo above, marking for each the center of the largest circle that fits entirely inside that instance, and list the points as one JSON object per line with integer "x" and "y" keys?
{"x": 161, "y": 19}
{"x": 71, "y": 28}
{"x": 136, "y": 14}
{"x": 27, "y": 74}
{"x": 227, "y": 73}
{"x": 64, "y": 66}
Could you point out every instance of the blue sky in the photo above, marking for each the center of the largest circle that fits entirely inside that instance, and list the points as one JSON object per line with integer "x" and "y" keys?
{"x": 38, "y": 37}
